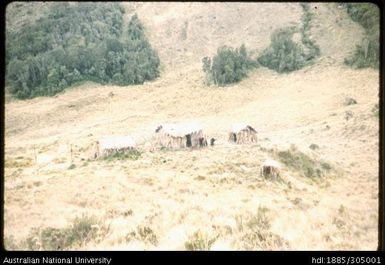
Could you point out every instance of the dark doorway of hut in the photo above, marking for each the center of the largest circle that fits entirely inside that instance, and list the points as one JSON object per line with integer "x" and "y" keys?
{"x": 233, "y": 137}
{"x": 188, "y": 140}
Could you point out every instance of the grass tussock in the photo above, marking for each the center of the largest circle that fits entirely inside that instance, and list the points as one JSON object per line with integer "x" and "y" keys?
{"x": 143, "y": 233}
{"x": 81, "y": 231}
{"x": 200, "y": 241}
{"x": 254, "y": 233}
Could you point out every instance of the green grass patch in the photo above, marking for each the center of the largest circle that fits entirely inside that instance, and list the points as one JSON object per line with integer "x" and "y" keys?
{"x": 132, "y": 154}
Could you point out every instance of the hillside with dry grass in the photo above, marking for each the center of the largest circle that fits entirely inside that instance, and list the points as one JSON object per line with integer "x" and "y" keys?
{"x": 209, "y": 198}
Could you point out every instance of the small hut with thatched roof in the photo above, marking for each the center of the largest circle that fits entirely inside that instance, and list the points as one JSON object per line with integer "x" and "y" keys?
{"x": 180, "y": 135}
{"x": 242, "y": 134}
{"x": 110, "y": 145}
{"x": 270, "y": 168}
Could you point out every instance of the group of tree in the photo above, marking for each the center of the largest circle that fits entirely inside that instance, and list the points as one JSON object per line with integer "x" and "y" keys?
{"x": 76, "y": 42}
{"x": 366, "y": 54}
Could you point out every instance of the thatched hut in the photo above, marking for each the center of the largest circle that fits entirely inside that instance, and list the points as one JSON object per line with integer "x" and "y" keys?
{"x": 242, "y": 134}
{"x": 110, "y": 145}
{"x": 180, "y": 135}
{"x": 270, "y": 169}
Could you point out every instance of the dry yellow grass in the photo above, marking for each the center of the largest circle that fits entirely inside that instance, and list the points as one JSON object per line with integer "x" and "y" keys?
{"x": 171, "y": 199}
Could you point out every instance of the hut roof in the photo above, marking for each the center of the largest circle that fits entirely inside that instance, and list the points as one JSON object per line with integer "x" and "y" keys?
{"x": 271, "y": 163}
{"x": 117, "y": 142}
{"x": 236, "y": 128}
{"x": 181, "y": 129}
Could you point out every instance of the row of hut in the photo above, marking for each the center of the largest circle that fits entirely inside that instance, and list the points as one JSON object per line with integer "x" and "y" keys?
{"x": 176, "y": 136}
{"x": 185, "y": 135}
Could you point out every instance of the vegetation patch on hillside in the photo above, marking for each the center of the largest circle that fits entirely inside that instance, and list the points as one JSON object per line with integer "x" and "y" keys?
{"x": 228, "y": 65}
{"x": 253, "y": 231}
{"x": 126, "y": 155}
{"x": 286, "y": 55}
{"x": 143, "y": 233}
{"x": 77, "y": 42}
{"x": 200, "y": 241}
{"x": 302, "y": 163}
{"x": 367, "y": 54}
{"x": 81, "y": 231}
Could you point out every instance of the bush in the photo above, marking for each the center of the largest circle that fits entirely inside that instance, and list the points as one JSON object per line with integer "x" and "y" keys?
{"x": 283, "y": 55}
{"x": 367, "y": 54}
{"x": 82, "y": 230}
{"x": 72, "y": 43}
{"x": 143, "y": 233}
{"x": 200, "y": 241}
{"x": 254, "y": 232}
{"x": 228, "y": 65}
{"x": 131, "y": 154}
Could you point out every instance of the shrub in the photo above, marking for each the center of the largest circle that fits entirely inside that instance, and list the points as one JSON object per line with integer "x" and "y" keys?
{"x": 131, "y": 154}
{"x": 366, "y": 54}
{"x": 283, "y": 55}
{"x": 228, "y": 65}
{"x": 80, "y": 231}
{"x": 200, "y": 241}
{"x": 147, "y": 234}
{"x": 144, "y": 233}
{"x": 254, "y": 232}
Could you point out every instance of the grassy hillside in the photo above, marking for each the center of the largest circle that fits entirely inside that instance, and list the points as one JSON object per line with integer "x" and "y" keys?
{"x": 321, "y": 117}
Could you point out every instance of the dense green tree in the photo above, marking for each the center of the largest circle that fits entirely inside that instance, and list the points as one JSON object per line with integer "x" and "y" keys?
{"x": 76, "y": 42}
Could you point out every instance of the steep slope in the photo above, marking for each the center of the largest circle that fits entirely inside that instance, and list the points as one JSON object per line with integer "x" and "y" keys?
{"x": 332, "y": 21}
{"x": 184, "y": 33}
